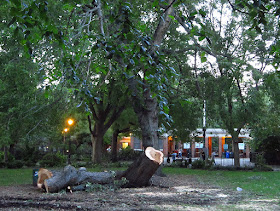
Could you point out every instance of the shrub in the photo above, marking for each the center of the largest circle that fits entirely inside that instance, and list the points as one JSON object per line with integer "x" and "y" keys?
{"x": 128, "y": 154}
{"x": 198, "y": 164}
{"x": 260, "y": 161}
{"x": 232, "y": 168}
{"x": 51, "y": 160}
{"x": 209, "y": 163}
{"x": 15, "y": 164}
{"x": 260, "y": 164}
{"x": 1, "y": 156}
{"x": 264, "y": 168}
{"x": 2, "y": 164}
{"x": 29, "y": 163}
{"x": 270, "y": 148}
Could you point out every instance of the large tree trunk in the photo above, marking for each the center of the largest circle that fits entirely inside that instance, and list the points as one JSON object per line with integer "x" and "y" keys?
{"x": 137, "y": 175}
{"x": 148, "y": 113}
{"x": 148, "y": 119}
{"x": 103, "y": 122}
{"x": 235, "y": 150}
{"x": 97, "y": 147}
{"x": 12, "y": 149}
{"x": 114, "y": 149}
{"x": 5, "y": 154}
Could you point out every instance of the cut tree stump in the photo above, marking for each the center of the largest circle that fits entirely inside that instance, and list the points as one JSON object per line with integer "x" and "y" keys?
{"x": 137, "y": 175}
{"x": 140, "y": 172}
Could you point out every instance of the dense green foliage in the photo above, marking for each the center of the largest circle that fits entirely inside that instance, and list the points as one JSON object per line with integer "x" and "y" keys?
{"x": 105, "y": 57}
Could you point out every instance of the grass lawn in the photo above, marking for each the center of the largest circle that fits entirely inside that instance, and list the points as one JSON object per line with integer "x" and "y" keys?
{"x": 15, "y": 176}
{"x": 264, "y": 184}
{"x": 256, "y": 183}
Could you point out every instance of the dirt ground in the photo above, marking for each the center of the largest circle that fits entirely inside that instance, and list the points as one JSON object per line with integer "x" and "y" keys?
{"x": 179, "y": 192}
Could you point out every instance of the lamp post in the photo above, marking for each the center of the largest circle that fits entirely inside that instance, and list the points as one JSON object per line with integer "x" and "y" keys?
{"x": 70, "y": 122}
{"x": 65, "y": 130}
{"x": 204, "y": 125}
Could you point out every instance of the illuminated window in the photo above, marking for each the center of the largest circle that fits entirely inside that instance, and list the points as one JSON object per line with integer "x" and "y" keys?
{"x": 124, "y": 145}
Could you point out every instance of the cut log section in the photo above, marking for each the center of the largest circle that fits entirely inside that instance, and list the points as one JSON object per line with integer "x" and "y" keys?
{"x": 72, "y": 177}
{"x": 141, "y": 171}
{"x": 137, "y": 175}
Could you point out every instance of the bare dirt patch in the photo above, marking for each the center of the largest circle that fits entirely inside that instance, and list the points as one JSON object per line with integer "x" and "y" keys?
{"x": 178, "y": 192}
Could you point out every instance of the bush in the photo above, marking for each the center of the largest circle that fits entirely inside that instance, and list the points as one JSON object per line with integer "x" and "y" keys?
{"x": 232, "y": 168}
{"x": 1, "y": 156}
{"x": 263, "y": 168}
{"x": 30, "y": 163}
{"x": 128, "y": 154}
{"x": 260, "y": 164}
{"x": 15, "y": 164}
{"x": 3, "y": 164}
{"x": 51, "y": 160}
{"x": 198, "y": 164}
{"x": 209, "y": 163}
{"x": 270, "y": 148}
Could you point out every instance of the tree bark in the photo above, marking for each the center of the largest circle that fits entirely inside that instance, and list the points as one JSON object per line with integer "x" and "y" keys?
{"x": 97, "y": 147}
{"x": 12, "y": 149}
{"x": 114, "y": 146}
{"x": 148, "y": 112}
{"x": 5, "y": 154}
{"x": 148, "y": 120}
{"x": 104, "y": 117}
{"x": 235, "y": 150}
{"x": 71, "y": 177}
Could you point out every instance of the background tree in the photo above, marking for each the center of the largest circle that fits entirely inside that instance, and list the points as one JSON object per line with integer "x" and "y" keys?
{"x": 126, "y": 123}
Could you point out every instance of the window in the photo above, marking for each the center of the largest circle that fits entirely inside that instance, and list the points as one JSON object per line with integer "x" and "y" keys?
{"x": 160, "y": 143}
{"x": 137, "y": 143}
{"x": 124, "y": 145}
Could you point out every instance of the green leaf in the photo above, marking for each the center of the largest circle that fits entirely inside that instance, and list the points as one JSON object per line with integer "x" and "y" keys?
{"x": 203, "y": 59}
{"x": 165, "y": 109}
{"x": 172, "y": 17}
{"x": 193, "y": 13}
{"x": 201, "y": 38}
{"x": 202, "y": 13}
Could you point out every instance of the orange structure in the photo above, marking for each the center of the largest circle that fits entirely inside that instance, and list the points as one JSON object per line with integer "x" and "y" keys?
{"x": 216, "y": 140}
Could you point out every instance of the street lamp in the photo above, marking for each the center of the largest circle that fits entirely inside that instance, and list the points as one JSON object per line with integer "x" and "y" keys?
{"x": 70, "y": 122}
{"x": 65, "y": 130}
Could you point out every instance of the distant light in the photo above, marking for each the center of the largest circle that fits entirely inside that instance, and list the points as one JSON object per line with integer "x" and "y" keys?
{"x": 66, "y": 130}
{"x": 70, "y": 121}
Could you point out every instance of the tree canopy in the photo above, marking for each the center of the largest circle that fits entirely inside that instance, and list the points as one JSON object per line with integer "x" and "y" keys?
{"x": 159, "y": 58}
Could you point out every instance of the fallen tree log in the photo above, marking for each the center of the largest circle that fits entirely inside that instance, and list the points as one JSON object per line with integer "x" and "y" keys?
{"x": 72, "y": 177}
{"x": 137, "y": 175}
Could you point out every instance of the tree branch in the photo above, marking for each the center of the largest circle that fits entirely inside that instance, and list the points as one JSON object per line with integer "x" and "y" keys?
{"x": 89, "y": 124}
{"x": 163, "y": 26}
{"x": 34, "y": 127}
{"x": 115, "y": 115}
{"x": 234, "y": 8}
{"x": 91, "y": 107}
